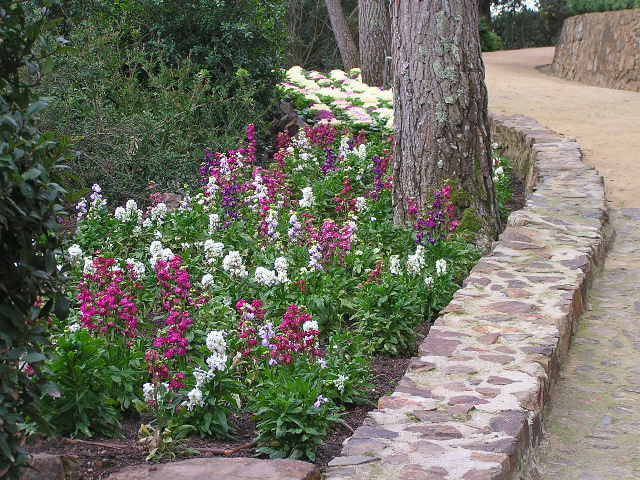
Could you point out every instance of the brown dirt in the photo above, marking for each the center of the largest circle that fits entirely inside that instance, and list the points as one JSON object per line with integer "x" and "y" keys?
{"x": 100, "y": 457}
{"x": 605, "y": 122}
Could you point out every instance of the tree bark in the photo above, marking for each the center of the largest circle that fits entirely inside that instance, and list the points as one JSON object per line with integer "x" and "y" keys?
{"x": 374, "y": 26}
{"x": 440, "y": 108}
{"x": 346, "y": 45}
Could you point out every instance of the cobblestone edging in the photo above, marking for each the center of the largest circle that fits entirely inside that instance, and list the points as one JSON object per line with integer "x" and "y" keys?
{"x": 469, "y": 407}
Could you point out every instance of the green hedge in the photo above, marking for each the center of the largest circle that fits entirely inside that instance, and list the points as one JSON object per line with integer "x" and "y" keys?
{"x": 586, "y": 6}
{"x": 147, "y": 85}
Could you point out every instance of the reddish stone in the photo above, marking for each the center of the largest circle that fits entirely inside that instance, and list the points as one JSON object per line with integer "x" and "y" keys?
{"x": 396, "y": 402}
{"x": 436, "y": 431}
{"x": 504, "y": 350}
{"x": 464, "y": 369}
{"x": 431, "y": 416}
{"x": 466, "y": 399}
{"x": 488, "y": 392}
{"x": 510, "y": 422}
{"x": 499, "y": 380}
{"x": 406, "y": 385}
{"x": 456, "y": 387}
{"x": 417, "y": 472}
{"x": 512, "y": 306}
{"x": 426, "y": 448}
{"x": 236, "y": 468}
{"x": 420, "y": 366}
{"x": 438, "y": 346}
{"x": 505, "y": 445}
{"x": 501, "y": 359}
{"x": 489, "y": 338}
{"x": 489, "y": 474}
{"x": 518, "y": 293}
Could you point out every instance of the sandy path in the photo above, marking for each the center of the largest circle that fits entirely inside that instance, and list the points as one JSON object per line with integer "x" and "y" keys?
{"x": 606, "y": 122}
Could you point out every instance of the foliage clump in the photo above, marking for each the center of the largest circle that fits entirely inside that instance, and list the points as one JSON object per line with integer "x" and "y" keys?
{"x": 30, "y": 205}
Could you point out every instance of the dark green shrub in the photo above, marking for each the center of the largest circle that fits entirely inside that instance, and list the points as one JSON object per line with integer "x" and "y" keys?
{"x": 585, "y": 6}
{"x": 490, "y": 41}
{"x": 30, "y": 203}
{"x": 522, "y": 28}
{"x": 146, "y": 88}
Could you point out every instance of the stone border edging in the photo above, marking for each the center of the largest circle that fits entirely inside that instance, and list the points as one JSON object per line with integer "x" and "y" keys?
{"x": 470, "y": 406}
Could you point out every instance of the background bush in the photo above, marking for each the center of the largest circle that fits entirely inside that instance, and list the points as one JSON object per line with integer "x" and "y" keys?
{"x": 148, "y": 85}
{"x": 586, "y": 6}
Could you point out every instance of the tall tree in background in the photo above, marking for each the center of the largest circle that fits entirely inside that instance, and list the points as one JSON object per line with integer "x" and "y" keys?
{"x": 440, "y": 104}
{"x": 374, "y": 28}
{"x": 344, "y": 39}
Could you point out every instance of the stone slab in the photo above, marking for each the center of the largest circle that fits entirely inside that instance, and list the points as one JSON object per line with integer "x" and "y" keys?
{"x": 221, "y": 469}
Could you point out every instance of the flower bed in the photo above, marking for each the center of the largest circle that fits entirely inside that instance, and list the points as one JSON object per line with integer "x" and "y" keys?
{"x": 266, "y": 292}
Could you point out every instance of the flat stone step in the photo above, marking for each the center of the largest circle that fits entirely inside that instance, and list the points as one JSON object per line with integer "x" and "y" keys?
{"x": 221, "y": 469}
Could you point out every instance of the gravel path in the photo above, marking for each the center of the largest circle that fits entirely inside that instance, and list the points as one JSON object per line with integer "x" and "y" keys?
{"x": 606, "y": 122}
{"x": 593, "y": 424}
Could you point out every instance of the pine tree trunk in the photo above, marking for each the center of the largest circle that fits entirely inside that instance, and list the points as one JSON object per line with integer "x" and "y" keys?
{"x": 346, "y": 45}
{"x": 374, "y": 26}
{"x": 440, "y": 103}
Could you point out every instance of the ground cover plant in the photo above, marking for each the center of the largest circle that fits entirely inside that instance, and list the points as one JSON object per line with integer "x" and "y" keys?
{"x": 268, "y": 289}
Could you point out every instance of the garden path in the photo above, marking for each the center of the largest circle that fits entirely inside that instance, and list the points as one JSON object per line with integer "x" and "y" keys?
{"x": 605, "y": 122}
{"x": 592, "y": 425}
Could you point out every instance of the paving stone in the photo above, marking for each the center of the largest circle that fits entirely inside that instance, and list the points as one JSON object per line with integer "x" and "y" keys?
{"x": 221, "y": 469}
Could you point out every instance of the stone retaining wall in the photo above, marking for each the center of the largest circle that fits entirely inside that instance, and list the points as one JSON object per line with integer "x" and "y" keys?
{"x": 469, "y": 407}
{"x": 601, "y": 49}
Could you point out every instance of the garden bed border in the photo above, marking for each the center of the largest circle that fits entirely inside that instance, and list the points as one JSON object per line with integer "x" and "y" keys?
{"x": 470, "y": 405}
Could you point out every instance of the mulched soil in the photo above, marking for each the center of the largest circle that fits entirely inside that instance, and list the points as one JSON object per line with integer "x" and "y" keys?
{"x": 99, "y": 457}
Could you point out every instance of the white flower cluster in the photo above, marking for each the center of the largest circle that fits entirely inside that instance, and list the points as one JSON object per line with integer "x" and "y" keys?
{"x": 266, "y": 277}
{"x": 428, "y": 281}
{"x": 213, "y": 250}
{"x": 137, "y": 266}
{"x": 207, "y": 280}
{"x": 344, "y": 146}
{"x": 339, "y": 382}
{"x": 156, "y": 215}
{"x": 310, "y": 325}
{"x": 497, "y": 173}
{"x": 159, "y": 253}
{"x": 233, "y": 264}
{"x": 308, "y": 200}
{"x": 394, "y": 265}
{"x": 218, "y": 348}
{"x": 361, "y": 204}
{"x": 361, "y": 151}
{"x": 195, "y": 398}
{"x": 269, "y": 278}
{"x": 149, "y": 391}
{"x": 129, "y": 212}
{"x": 202, "y": 376}
{"x": 441, "y": 266}
{"x": 416, "y": 262}
{"x": 88, "y": 267}
{"x": 281, "y": 265}
{"x": 75, "y": 253}
{"x": 214, "y": 222}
